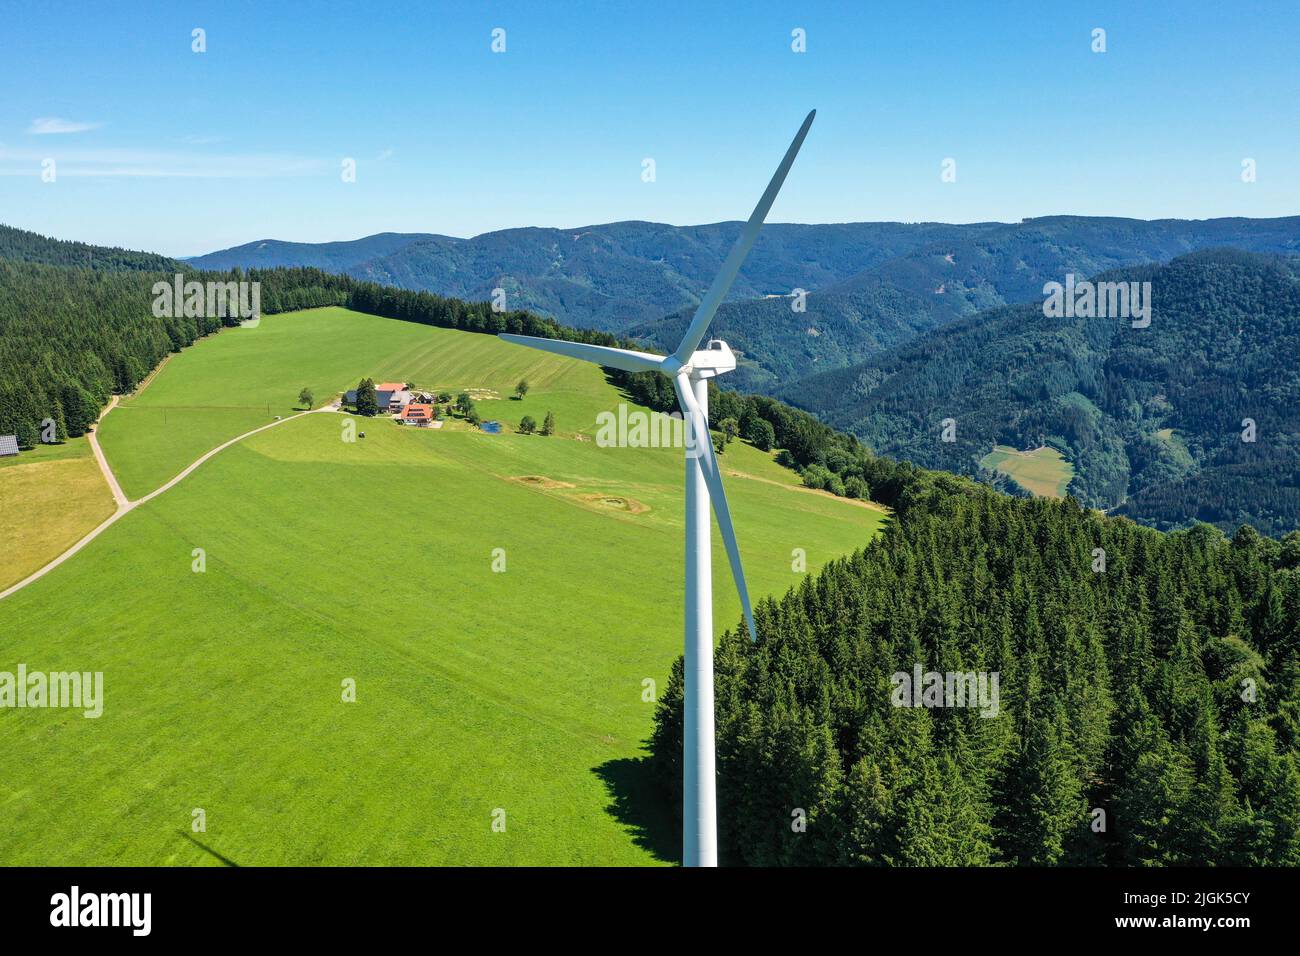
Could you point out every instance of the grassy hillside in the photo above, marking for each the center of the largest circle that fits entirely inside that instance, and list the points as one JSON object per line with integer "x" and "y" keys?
{"x": 372, "y": 560}
{"x": 246, "y": 376}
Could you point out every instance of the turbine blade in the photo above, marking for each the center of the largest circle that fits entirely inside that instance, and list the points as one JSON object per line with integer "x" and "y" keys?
{"x": 707, "y": 462}
{"x": 736, "y": 258}
{"x": 600, "y": 354}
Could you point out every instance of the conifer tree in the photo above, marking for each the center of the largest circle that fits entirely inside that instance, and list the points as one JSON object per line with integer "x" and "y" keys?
{"x": 367, "y": 400}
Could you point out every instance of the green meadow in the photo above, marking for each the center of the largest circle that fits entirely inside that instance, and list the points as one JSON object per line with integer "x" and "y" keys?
{"x": 500, "y": 602}
{"x": 245, "y": 377}
{"x": 1044, "y": 472}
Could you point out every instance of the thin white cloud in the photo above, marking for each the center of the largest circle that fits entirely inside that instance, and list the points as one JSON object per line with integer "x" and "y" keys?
{"x": 46, "y": 125}
{"x": 147, "y": 164}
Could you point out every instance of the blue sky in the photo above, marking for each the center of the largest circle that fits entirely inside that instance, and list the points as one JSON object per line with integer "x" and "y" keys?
{"x": 183, "y": 153}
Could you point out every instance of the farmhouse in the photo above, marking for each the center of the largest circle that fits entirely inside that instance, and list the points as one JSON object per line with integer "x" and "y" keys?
{"x": 392, "y": 396}
{"x": 417, "y": 414}
{"x": 8, "y": 446}
{"x": 383, "y": 397}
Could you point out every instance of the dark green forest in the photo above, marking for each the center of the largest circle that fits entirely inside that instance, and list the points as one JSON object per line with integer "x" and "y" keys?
{"x": 1149, "y": 713}
{"x": 825, "y": 458}
{"x": 1152, "y": 418}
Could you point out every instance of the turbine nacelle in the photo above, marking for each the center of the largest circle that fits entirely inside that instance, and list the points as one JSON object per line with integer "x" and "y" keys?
{"x": 711, "y": 361}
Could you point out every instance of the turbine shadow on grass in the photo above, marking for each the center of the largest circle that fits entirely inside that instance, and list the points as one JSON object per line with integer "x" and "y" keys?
{"x": 226, "y": 861}
{"x": 637, "y": 802}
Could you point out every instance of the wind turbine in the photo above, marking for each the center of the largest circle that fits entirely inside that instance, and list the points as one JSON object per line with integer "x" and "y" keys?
{"x": 690, "y": 369}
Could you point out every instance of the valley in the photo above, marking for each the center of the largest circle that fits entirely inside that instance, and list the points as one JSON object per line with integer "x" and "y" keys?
{"x": 1156, "y": 420}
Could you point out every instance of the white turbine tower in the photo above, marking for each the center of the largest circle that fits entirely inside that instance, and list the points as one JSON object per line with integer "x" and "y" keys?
{"x": 690, "y": 371}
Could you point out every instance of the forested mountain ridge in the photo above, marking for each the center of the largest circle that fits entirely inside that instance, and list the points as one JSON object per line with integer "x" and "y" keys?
{"x": 970, "y": 269}
{"x": 20, "y": 245}
{"x": 1153, "y": 418}
{"x": 871, "y": 285}
{"x": 604, "y": 276}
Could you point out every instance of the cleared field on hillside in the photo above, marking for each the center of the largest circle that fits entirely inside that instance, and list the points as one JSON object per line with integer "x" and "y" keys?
{"x": 476, "y": 690}
{"x": 243, "y": 378}
{"x": 1043, "y": 471}
{"x": 50, "y": 498}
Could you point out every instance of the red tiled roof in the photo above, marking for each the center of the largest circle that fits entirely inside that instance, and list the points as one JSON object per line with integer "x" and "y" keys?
{"x": 391, "y": 387}
{"x": 417, "y": 412}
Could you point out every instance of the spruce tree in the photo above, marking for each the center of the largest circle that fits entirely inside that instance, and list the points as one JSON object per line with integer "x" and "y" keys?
{"x": 367, "y": 400}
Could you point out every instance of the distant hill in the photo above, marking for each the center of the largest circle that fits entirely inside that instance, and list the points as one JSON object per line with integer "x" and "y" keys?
{"x": 20, "y": 245}
{"x": 1152, "y": 418}
{"x": 331, "y": 256}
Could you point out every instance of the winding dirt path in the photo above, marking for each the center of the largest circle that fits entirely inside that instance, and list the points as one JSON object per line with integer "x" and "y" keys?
{"x": 124, "y": 505}
{"x": 92, "y": 436}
